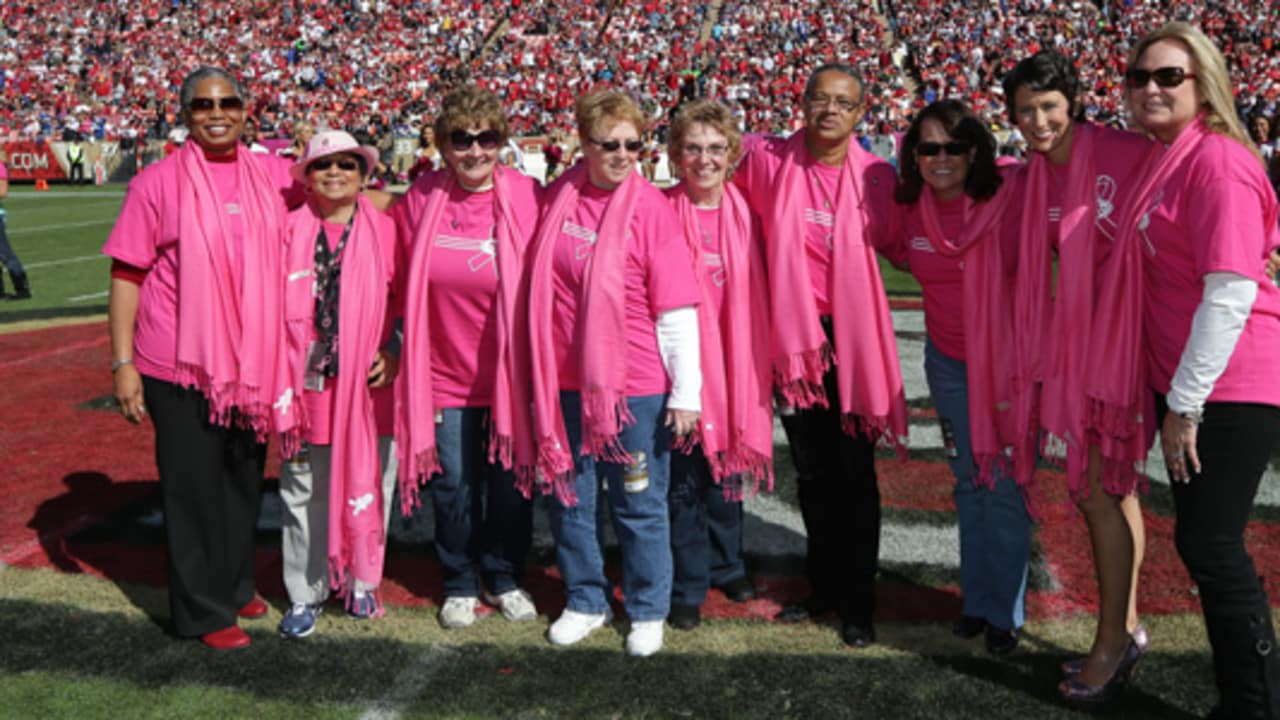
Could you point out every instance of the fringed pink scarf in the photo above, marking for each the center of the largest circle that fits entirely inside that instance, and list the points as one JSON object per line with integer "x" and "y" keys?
{"x": 736, "y": 426}
{"x": 227, "y": 344}
{"x": 872, "y": 400}
{"x": 1080, "y": 372}
{"x": 415, "y": 410}
{"x": 988, "y": 327}
{"x": 357, "y": 537}
{"x": 603, "y": 320}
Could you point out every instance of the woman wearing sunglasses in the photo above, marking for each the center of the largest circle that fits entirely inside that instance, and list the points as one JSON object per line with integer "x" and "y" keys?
{"x": 1080, "y": 397}
{"x": 196, "y": 315}
{"x": 949, "y": 237}
{"x": 614, "y": 359}
{"x": 464, "y": 229}
{"x": 1213, "y": 334}
{"x": 733, "y": 441}
{"x": 339, "y": 262}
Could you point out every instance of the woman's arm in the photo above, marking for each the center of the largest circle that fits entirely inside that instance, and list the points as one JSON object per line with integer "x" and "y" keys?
{"x": 122, "y": 312}
{"x": 678, "y": 344}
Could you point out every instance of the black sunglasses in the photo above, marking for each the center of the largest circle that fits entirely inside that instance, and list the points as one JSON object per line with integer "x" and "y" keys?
{"x": 486, "y": 139}
{"x": 204, "y": 104}
{"x": 955, "y": 148}
{"x": 1165, "y": 77}
{"x": 613, "y": 145}
{"x": 323, "y": 164}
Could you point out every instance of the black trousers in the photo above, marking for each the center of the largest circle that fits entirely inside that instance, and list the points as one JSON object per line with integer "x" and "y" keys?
{"x": 211, "y": 485}
{"x": 840, "y": 502}
{"x": 1234, "y": 443}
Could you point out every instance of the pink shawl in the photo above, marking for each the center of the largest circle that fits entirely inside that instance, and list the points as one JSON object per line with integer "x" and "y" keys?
{"x": 869, "y": 378}
{"x": 736, "y": 426}
{"x": 602, "y": 318}
{"x": 415, "y": 411}
{"x": 227, "y": 344}
{"x": 357, "y": 537}
{"x": 988, "y": 326}
{"x": 1080, "y": 374}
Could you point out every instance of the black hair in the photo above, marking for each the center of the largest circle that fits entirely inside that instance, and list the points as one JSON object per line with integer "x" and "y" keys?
{"x": 960, "y": 122}
{"x": 842, "y": 68}
{"x": 1045, "y": 71}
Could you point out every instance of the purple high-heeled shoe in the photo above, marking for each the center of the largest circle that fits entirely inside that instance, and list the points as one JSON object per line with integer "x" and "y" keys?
{"x": 1074, "y": 690}
{"x": 1139, "y": 636}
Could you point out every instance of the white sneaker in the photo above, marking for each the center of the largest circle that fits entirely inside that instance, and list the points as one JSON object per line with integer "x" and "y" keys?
{"x": 458, "y": 612}
{"x": 575, "y": 626}
{"x": 516, "y": 604}
{"x": 645, "y": 638}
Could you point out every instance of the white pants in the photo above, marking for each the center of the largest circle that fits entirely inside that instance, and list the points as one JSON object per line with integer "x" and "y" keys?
{"x": 304, "y": 532}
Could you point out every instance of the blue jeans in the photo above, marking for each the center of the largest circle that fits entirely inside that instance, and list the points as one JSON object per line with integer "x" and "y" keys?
{"x": 484, "y": 526}
{"x": 639, "y": 519}
{"x": 9, "y": 258}
{"x": 995, "y": 529}
{"x": 706, "y": 531}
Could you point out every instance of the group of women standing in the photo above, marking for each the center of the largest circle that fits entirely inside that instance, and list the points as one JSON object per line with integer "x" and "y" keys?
{"x": 566, "y": 340}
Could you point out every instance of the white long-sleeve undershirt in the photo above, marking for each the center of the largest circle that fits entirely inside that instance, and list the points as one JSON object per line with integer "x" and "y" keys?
{"x": 1215, "y": 329}
{"x": 679, "y": 347}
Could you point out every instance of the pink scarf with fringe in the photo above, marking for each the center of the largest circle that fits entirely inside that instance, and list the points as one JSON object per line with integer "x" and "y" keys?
{"x": 602, "y": 318}
{"x": 357, "y": 536}
{"x": 1080, "y": 373}
{"x": 415, "y": 411}
{"x": 227, "y": 344}
{"x": 872, "y": 399}
{"x": 736, "y": 426}
{"x": 988, "y": 326}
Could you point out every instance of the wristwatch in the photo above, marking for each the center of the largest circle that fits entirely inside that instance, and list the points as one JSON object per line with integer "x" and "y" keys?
{"x": 117, "y": 364}
{"x": 1195, "y": 417}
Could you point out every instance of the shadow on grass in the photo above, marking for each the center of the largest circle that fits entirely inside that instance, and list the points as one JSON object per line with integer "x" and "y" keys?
{"x": 12, "y": 312}
{"x": 528, "y": 678}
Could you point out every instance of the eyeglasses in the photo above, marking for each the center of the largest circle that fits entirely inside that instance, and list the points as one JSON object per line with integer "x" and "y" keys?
{"x": 844, "y": 105}
{"x": 486, "y": 139}
{"x": 632, "y": 146}
{"x": 955, "y": 148}
{"x": 715, "y": 151}
{"x": 346, "y": 165}
{"x": 1165, "y": 77}
{"x": 204, "y": 104}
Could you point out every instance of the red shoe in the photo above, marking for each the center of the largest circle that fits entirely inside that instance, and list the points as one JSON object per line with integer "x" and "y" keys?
{"x": 228, "y": 638}
{"x": 255, "y": 608}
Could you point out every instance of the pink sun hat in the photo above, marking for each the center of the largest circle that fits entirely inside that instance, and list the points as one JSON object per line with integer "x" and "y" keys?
{"x": 332, "y": 142}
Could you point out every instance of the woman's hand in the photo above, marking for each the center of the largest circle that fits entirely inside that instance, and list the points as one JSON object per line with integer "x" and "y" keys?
{"x": 1273, "y": 264}
{"x": 682, "y": 422}
{"x": 128, "y": 393}
{"x": 1178, "y": 439}
{"x": 384, "y": 370}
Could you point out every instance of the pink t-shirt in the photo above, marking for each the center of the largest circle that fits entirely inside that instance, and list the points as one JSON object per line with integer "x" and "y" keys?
{"x": 146, "y": 236}
{"x": 1208, "y": 218}
{"x": 4, "y": 172}
{"x": 757, "y": 176}
{"x": 941, "y": 277}
{"x": 320, "y": 405}
{"x": 659, "y": 277}
{"x": 463, "y": 283}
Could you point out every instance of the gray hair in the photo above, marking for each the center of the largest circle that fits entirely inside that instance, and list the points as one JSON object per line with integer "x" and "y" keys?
{"x": 205, "y": 72}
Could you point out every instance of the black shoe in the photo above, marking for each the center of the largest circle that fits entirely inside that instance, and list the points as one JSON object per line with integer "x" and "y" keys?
{"x": 1001, "y": 642}
{"x": 684, "y": 617}
{"x": 21, "y": 288}
{"x": 856, "y": 636}
{"x": 968, "y": 627}
{"x": 806, "y": 609}
{"x": 739, "y": 590}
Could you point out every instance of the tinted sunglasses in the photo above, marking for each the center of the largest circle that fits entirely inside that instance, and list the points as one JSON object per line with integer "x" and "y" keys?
{"x": 204, "y": 104}
{"x": 614, "y": 145}
{"x": 1165, "y": 77}
{"x": 954, "y": 148}
{"x": 323, "y": 164}
{"x": 486, "y": 139}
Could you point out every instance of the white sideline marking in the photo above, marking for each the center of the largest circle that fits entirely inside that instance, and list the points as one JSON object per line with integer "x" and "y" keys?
{"x": 90, "y": 296}
{"x": 61, "y": 226}
{"x": 410, "y": 684}
{"x": 49, "y": 194}
{"x": 66, "y": 261}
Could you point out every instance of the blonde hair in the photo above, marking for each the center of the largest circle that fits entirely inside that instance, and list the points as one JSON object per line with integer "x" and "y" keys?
{"x": 602, "y": 108}
{"x": 1211, "y": 79}
{"x": 712, "y": 114}
{"x": 467, "y": 106}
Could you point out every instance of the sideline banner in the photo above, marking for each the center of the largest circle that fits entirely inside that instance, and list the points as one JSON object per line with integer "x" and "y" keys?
{"x": 33, "y": 161}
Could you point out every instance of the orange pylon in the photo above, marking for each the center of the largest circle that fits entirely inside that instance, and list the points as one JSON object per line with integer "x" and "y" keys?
{"x": 41, "y": 184}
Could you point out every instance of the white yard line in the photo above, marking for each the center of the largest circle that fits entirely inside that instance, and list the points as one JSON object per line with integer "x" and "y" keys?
{"x": 411, "y": 683}
{"x": 90, "y": 296}
{"x": 61, "y": 226}
{"x": 66, "y": 261}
